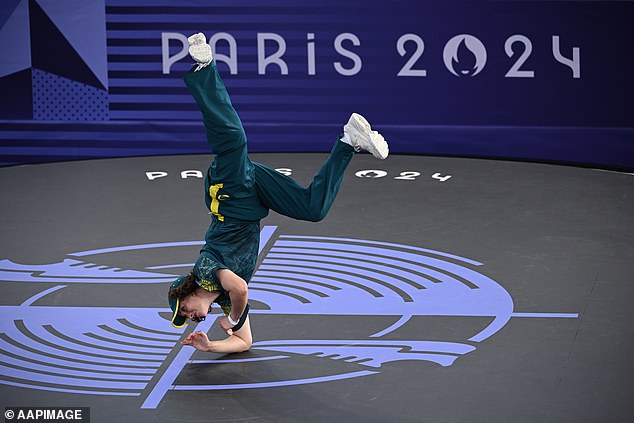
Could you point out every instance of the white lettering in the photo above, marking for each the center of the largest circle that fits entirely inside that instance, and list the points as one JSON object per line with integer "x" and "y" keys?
{"x": 515, "y": 71}
{"x": 408, "y": 176}
{"x": 407, "y": 70}
{"x": 191, "y": 173}
{"x": 356, "y": 68}
{"x": 48, "y": 414}
{"x": 370, "y": 173}
{"x": 232, "y": 59}
{"x": 285, "y": 171}
{"x": 70, "y": 415}
{"x": 165, "y": 48}
{"x": 574, "y": 64}
{"x": 275, "y": 58}
{"x": 155, "y": 175}
{"x": 441, "y": 178}
{"x": 463, "y": 55}
{"x": 310, "y": 50}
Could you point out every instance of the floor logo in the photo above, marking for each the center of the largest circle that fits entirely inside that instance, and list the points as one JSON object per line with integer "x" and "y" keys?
{"x": 119, "y": 351}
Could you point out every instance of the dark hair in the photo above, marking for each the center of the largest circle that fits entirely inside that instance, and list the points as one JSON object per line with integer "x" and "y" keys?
{"x": 187, "y": 287}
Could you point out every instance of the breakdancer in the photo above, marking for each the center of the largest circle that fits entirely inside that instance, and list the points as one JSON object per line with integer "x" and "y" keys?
{"x": 239, "y": 193}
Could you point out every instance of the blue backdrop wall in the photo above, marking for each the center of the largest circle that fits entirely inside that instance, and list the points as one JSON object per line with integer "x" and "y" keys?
{"x": 530, "y": 80}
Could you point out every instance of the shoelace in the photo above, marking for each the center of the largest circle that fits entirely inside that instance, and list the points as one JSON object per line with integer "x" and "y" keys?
{"x": 200, "y": 66}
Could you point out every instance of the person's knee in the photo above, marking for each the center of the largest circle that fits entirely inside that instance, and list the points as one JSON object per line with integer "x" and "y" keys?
{"x": 317, "y": 215}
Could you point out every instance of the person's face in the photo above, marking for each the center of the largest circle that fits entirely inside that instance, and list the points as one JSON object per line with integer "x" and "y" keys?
{"x": 194, "y": 307}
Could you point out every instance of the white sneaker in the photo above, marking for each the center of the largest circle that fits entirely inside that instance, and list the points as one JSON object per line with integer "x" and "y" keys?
{"x": 362, "y": 137}
{"x": 199, "y": 50}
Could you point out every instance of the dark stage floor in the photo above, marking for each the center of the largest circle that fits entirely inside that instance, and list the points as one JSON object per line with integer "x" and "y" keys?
{"x": 438, "y": 289}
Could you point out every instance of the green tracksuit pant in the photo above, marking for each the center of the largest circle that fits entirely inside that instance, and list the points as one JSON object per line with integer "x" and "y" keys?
{"x": 239, "y": 192}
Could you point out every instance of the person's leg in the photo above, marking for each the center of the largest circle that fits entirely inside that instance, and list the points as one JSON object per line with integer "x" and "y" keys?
{"x": 224, "y": 128}
{"x": 285, "y": 196}
{"x": 229, "y": 184}
{"x": 225, "y": 134}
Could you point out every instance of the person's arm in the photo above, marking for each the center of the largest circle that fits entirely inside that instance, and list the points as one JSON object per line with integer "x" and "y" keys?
{"x": 238, "y": 292}
{"x": 238, "y": 342}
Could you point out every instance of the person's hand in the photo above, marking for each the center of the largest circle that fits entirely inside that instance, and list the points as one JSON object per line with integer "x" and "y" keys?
{"x": 225, "y": 325}
{"x": 198, "y": 340}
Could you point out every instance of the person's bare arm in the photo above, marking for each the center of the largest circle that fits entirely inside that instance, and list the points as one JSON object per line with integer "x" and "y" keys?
{"x": 238, "y": 291}
{"x": 237, "y": 342}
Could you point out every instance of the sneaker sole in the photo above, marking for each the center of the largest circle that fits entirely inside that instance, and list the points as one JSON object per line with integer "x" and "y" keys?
{"x": 378, "y": 147}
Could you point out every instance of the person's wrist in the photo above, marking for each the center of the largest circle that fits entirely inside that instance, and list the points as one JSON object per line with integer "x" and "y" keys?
{"x": 231, "y": 321}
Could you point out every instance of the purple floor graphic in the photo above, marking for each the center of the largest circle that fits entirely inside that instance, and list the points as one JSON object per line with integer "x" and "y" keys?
{"x": 118, "y": 351}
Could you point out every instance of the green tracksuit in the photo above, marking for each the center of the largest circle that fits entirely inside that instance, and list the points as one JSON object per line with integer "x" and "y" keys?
{"x": 239, "y": 193}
